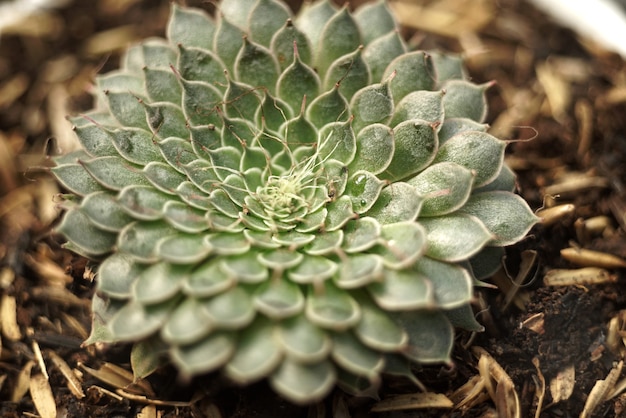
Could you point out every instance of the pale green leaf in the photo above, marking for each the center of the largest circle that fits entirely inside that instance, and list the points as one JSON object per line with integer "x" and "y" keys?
{"x": 505, "y": 214}
{"x": 204, "y": 356}
{"x": 332, "y": 308}
{"x": 79, "y": 230}
{"x": 402, "y": 290}
{"x": 455, "y": 237}
{"x": 303, "y": 383}
{"x": 477, "y": 151}
{"x": 187, "y": 323}
{"x": 279, "y": 299}
{"x": 257, "y": 354}
{"x": 445, "y": 187}
{"x": 159, "y": 283}
{"x": 303, "y": 341}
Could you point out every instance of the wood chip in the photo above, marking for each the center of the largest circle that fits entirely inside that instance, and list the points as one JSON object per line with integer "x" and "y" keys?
{"x": 41, "y": 393}
{"x": 562, "y": 386}
{"x": 22, "y": 382}
{"x": 578, "y": 277}
{"x": 541, "y": 387}
{"x": 412, "y": 402}
{"x": 445, "y": 17}
{"x": 552, "y": 215}
{"x": 119, "y": 378}
{"x": 74, "y": 384}
{"x": 499, "y": 385}
{"x": 589, "y": 258}
{"x": 8, "y": 318}
{"x": 601, "y": 391}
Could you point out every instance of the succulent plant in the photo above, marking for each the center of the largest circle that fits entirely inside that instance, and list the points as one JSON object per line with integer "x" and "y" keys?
{"x": 301, "y": 199}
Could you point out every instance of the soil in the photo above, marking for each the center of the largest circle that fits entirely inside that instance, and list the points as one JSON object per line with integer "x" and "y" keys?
{"x": 559, "y": 99}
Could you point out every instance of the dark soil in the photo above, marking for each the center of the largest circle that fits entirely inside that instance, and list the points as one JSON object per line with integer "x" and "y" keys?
{"x": 564, "y": 92}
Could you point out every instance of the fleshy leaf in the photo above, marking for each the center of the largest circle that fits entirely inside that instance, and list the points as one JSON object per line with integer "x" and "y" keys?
{"x": 337, "y": 141}
{"x": 463, "y": 317}
{"x": 158, "y": 283}
{"x": 487, "y": 262}
{"x": 350, "y": 72}
{"x": 77, "y": 227}
{"x": 185, "y": 218}
{"x": 452, "y": 284}
{"x": 375, "y": 20}
{"x": 340, "y": 36}
{"x": 257, "y": 354}
{"x": 127, "y": 109}
{"x": 452, "y": 126}
{"x": 402, "y": 290}
{"x": 413, "y": 71}
{"x": 187, "y": 323}
{"x": 375, "y": 149}
{"x": 303, "y": 383}
{"x": 201, "y": 102}
{"x": 166, "y": 120}
{"x": 297, "y": 82}
{"x": 328, "y": 107}
{"x": 359, "y": 270}
{"x": 303, "y": 341}
{"x": 190, "y": 27}
{"x": 313, "y": 269}
{"x": 136, "y": 145}
{"x": 139, "y": 239}
{"x": 232, "y": 309}
{"x": 162, "y": 85}
{"x": 396, "y": 203}
{"x": 313, "y": 17}
{"x": 445, "y": 187}
{"x": 237, "y": 11}
{"x": 113, "y": 172}
{"x": 325, "y": 243}
{"x": 198, "y": 64}
{"x": 431, "y": 335}
{"x": 448, "y": 67}
{"x": 136, "y": 321}
{"x": 353, "y": 356}
{"x": 465, "y": 100}
{"x": 371, "y": 104}
{"x": 415, "y": 147}
{"x": 283, "y": 41}
{"x": 207, "y": 280}
{"x": 183, "y": 248}
{"x": 332, "y": 308}
{"x": 143, "y": 202}
{"x": 455, "y": 237}
{"x": 381, "y": 51}
{"x": 477, "y": 151}
{"x": 245, "y": 268}
{"x": 421, "y": 104}
{"x": 117, "y": 274}
{"x": 378, "y": 330}
{"x": 104, "y": 211}
{"x": 361, "y": 234}
{"x": 505, "y": 214}
{"x": 228, "y": 39}
{"x": 255, "y": 65}
{"x": 402, "y": 244}
{"x": 265, "y": 19}
{"x": 279, "y": 299}
{"x": 505, "y": 181}
{"x": 206, "y": 355}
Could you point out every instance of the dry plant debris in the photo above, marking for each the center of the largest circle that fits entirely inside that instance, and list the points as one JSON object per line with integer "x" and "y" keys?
{"x": 551, "y": 86}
